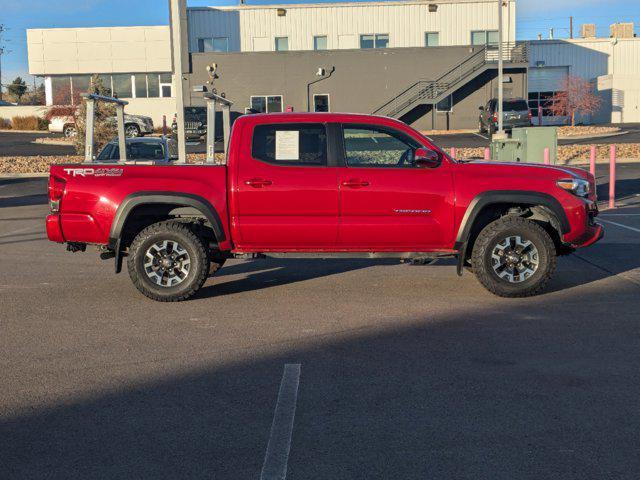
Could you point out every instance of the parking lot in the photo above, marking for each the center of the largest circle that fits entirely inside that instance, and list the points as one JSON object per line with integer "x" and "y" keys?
{"x": 406, "y": 372}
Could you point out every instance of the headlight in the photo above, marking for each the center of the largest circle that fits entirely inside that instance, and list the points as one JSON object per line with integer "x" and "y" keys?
{"x": 577, "y": 186}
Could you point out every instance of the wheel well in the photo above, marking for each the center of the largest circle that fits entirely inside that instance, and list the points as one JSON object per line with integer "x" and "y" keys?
{"x": 540, "y": 214}
{"x": 141, "y": 216}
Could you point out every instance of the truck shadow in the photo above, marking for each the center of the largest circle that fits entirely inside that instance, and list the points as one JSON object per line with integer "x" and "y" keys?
{"x": 271, "y": 272}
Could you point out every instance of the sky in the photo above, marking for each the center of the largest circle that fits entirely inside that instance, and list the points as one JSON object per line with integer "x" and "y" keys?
{"x": 533, "y": 17}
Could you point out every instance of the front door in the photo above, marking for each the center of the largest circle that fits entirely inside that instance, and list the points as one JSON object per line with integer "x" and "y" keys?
{"x": 388, "y": 203}
{"x": 287, "y": 195}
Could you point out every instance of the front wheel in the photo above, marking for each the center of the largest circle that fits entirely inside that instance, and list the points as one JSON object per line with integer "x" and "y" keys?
{"x": 514, "y": 257}
{"x": 168, "y": 262}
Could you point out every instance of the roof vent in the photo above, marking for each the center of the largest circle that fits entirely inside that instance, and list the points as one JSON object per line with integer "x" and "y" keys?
{"x": 622, "y": 30}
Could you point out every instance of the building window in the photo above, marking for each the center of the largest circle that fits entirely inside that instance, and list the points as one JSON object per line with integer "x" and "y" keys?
{"x": 484, "y": 37}
{"x": 431, "y": 39}
{"x": 140, "y": 82}
{"x": 215, "y": 44}
{"x": 291, "y": 144}
{"x": 105, "y": 80}
{"x": 153, "y": 85}
{"x": 166, "y": 85}
{"x": 445, "y": 105}
{"x": 266, "y": 103}
{"x": 378, "y": 40}
{"x": 61, "y": 90}
{"x": 321, "y": 103}
{"x": 282, "y": 44}
{"x": 320, "y": 42}
{"x": 122, "y": 85}
{"x": 541, "y": 102}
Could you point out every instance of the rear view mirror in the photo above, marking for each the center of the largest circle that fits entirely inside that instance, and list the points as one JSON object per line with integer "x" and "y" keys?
{"x": 426, "y": 158}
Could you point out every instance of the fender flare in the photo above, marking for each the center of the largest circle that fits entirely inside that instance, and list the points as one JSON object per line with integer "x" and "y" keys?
{"x": 149, "y": 198}
{"x": 485, "y": 199}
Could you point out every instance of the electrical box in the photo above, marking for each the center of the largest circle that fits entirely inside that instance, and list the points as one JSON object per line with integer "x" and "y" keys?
{"x": 527, "y": 145}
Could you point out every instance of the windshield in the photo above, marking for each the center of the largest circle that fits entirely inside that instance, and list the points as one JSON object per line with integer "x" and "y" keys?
{"x": 139, "y": 151}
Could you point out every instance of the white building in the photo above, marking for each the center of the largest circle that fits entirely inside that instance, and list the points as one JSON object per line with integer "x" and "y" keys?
{"x": 612, "y": 64}
{"x": 331, "y": 26}
{"x": 133, "y": 62}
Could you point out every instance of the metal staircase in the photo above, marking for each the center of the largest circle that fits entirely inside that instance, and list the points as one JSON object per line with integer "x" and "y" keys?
{"x": 430, "y": 92}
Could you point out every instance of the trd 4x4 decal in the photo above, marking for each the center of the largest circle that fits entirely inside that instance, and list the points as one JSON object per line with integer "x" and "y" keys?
{"x": 94, "y": 172}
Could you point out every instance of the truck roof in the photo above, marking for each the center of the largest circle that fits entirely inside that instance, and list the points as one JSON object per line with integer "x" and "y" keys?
{"x": 325, "y": 117}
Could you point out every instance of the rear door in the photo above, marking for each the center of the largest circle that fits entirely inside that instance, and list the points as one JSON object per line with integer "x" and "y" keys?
{"x": 287, "y": 194}
{"x": 388, "y": 203}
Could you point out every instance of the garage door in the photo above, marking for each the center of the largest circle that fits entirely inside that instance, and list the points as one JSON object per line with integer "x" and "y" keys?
{"x": 547, "y": 79}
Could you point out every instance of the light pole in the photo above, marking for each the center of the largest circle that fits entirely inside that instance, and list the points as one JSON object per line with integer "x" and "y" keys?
{"x": 500, "y": 72}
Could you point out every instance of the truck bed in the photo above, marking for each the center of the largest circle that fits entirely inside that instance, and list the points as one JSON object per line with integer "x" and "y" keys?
{"x": 93, "y": 193}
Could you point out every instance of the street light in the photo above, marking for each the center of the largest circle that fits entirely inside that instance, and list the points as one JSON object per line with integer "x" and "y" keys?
{"x": 501, "y": 134}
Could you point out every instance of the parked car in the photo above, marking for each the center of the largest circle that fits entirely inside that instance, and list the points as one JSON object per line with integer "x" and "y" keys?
{"x": 152, "y": 149}
{"x": 195, "y": 123}
{"x": 134, "y": 125}
{"x": 516, "y": 113}
{"x": 325, "y": 184}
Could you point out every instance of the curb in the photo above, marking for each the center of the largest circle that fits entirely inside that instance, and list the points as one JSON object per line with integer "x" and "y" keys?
{"x": 595, "y": 135}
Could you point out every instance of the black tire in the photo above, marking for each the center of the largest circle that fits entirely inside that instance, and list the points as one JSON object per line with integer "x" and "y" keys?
{"x": 492, "y": 130}
{"x": 177, "y": 232}
{"x": 498, "y": 231}
{"x": 481, "y": 128}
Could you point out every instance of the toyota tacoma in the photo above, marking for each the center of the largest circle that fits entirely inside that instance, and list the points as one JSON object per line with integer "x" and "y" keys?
{"x": 324, "y": 185}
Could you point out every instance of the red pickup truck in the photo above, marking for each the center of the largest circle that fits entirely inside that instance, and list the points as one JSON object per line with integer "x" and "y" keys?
{"x": 324, "y": 185}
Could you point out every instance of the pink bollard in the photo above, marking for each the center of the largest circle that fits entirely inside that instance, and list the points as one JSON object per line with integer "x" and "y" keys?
{"x": 487, "y": 154}
{"x": 592, "y": 160}
{"x": 453, "y": 152}
{"x": 547, "y": 156}
{"x": 612, "y": 177}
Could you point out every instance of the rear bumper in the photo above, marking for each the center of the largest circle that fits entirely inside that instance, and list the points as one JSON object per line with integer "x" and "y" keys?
{"x": 54, "y": 228}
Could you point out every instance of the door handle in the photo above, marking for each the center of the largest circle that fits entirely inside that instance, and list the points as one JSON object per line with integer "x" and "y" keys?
{"x": 353, "y": 183}
{"x": 258, "y": 182}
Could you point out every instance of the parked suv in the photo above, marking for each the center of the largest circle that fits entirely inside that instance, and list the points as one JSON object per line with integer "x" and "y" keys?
{"x": 134, "y": 125}
{"x": 195, "y": 124}
{"x": 516, "y": 113}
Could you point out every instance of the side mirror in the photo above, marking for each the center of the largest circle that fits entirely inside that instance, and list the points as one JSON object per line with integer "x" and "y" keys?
{"x": 424, "y": 158}
{"x": 480, "y": 108}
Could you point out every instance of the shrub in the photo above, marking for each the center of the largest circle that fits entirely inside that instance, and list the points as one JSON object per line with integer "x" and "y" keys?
{"x": 60, "y": 111}
{"x": 29, "y": 123}
{"x": 5, "y": 124}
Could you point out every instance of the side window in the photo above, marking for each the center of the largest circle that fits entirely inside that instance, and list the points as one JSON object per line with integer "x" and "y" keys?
{"x": 105, "y": 154}
{"x": 291, "y": 144}
{"x": 367, "y": 146}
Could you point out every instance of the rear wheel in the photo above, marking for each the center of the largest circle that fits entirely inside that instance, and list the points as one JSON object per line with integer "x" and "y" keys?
{"x": 168, "y": 262}
{"x": 481, "y": 128}
{"x": 514, "y": 257}
{"x": 70, "y": 131}
{"x": 131, "y": 131}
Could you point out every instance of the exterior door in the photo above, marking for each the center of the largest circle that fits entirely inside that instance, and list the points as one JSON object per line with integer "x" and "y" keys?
{"x": 287, "y": 195}
{"x": 387, "y": 201}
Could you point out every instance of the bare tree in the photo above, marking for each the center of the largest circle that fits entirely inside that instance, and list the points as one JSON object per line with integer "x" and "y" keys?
{"x": 576, "y": 97}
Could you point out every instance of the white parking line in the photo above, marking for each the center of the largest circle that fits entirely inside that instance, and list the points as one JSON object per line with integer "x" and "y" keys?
{"x": 480, "y": 135}
{"x": 277, "y": 455}
{"x": 622, "y": 226}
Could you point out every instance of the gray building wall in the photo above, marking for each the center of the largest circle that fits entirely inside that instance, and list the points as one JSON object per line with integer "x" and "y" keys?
{"x": 363, "y": 80}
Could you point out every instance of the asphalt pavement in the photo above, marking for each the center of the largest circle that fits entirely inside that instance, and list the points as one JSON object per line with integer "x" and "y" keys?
{"x": 405, "y": 372}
